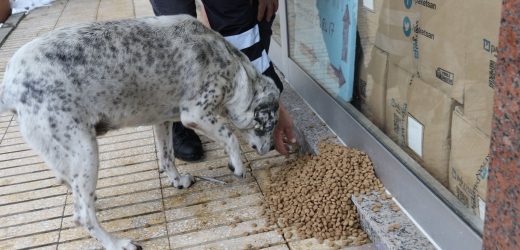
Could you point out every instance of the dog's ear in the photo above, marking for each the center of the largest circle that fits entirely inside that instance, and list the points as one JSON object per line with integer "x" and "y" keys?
{"x": 265, "y": 117}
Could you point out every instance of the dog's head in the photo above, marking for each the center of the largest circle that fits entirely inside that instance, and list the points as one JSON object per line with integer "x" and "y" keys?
{"x": 257, "y": 120}
{"x": 261, "y": 117}
{"x": 260, "y": 134}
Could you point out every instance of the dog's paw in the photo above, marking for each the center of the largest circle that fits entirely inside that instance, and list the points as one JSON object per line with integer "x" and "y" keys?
{"x": 239, "y": 172}
{"x": 125, "y": 244}
{"x": 183, "y": 181}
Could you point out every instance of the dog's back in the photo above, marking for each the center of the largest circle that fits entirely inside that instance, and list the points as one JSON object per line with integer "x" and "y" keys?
{"x": 118, "y": 69}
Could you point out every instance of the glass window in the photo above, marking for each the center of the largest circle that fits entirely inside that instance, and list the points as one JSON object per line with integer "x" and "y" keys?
{"x": 277, "y": 30}
{"x": 425, "y": 77}
{"x": 322, "y": 37}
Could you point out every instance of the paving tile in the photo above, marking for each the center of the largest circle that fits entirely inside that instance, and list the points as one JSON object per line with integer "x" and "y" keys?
{"x": 6, "y": 117}
{"x": 12, "y": 132}
{"x": 212, "y": 236}
{"x": 125, "y": 137}
{"x": 126, "y": 131}
{"x": 251, "y": 156}
{"x": 46, "y": 247}
{"x": 256, "y": 240}
{"x": 115, "y": 9}
{"x": 13, "y": 127}
{"x": 2, "y": 132}
{"x": 155, "y": 243}
{"x": 21, "y": 170}
{"x": 128, "y": 169}
{"x": 28, "y": 186}
{"x": 152, "y": 237}
{"x": 129, "y": 188}
{"x": 127, "y": 161}
{"x": 20, "y": 162}
{"x": 312, "y": 244}
{"x": 128, "y": 179}
{"x": 32, "y": 205}
{"x": 211, "y": 146}
{"x": 143, "y": 8}
{"x": 216, "y": 170}
{"x": 32, "y": 195}
{"x": 206, "y": 221}
{"x": 30, "y": 241}
{"x": 177, "y": 198}
{"x": 27, "y": 177}
{"x": 12, "y": 141}
{"x": 87, "y": 243}
{"x": 153, "y": 221}
{"x": 17, "y": 155}
{"x": 78, "y": 12}
{"x": 214, "y": 206}
{"x": 13, "y": 148}
{"x": 24, "y": 218}
{"x": 208, "y": 156}
{"x": 202, "y": 165}
{"x": 126, "y": 144}
{"x": 103, "y": 156}
{"x": 4, "y": 124}
{"x": 29, "y": 229}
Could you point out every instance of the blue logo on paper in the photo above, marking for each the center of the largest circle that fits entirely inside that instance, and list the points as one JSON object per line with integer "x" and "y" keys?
{"x": 487, "y": 45}
{"x": 408, "y": 3}
{"x": 407, "y": 26}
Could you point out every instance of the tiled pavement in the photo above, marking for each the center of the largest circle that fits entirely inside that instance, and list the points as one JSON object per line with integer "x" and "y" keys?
{"x": 133, "y": 199}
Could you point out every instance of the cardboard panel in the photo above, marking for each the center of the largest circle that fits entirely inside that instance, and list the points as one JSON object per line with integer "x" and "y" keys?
{"x": 469, "y": 161}
{"x": 372, "y": 86}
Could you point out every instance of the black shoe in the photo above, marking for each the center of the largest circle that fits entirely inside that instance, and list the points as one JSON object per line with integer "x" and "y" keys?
{"x": 186, "y": 143}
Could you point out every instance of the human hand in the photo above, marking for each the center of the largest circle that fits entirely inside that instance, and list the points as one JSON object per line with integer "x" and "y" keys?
{"x": 283, "y": 132}
{"x": 266, "y": 9}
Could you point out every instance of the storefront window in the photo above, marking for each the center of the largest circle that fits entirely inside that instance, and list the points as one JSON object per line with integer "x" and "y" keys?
{"x": 277, "y": 30}
{"x": 322, "y": 38}
{"x": 426, "y": 78}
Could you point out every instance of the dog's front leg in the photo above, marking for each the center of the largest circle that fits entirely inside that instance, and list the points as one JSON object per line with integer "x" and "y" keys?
{"x": 215, "y": 128}
{"x": 164, "y": 147}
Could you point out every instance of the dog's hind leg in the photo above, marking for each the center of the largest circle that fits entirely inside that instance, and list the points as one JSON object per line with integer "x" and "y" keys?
{"x": 164, "y": 146}
{"x": 83, "y": 182}
{"x": 71, "y": 150}
{"x": 215, "y": 128}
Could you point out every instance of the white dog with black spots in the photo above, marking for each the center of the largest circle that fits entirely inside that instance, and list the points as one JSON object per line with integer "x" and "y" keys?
{"x": 73, "y": 84}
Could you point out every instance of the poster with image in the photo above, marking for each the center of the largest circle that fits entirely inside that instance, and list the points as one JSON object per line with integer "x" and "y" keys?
{"x": 322, "y": 36}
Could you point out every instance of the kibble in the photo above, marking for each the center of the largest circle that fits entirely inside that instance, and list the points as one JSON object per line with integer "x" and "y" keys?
{"x": 313, "y": 193}
{"x": 394, "y": 227}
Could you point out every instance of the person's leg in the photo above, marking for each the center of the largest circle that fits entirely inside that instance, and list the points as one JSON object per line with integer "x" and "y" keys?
{"x": 186, "y": 143}
{"x": 173, "y": 7}
{"x": 236, "y": 21}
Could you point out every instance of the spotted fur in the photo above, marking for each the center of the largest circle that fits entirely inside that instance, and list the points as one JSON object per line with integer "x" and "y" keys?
{"x": 75, "y": 83}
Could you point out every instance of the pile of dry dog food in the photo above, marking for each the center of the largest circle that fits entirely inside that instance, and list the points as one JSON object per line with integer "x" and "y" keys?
{"x": 312, "y": 194}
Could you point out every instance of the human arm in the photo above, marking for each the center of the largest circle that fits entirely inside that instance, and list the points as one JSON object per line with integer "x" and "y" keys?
{"x": 283, "y": 132}
{"x": 266, "y": 9}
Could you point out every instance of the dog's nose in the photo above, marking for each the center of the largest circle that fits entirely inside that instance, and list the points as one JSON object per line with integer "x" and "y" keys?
{"x": 254, "y": 147}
